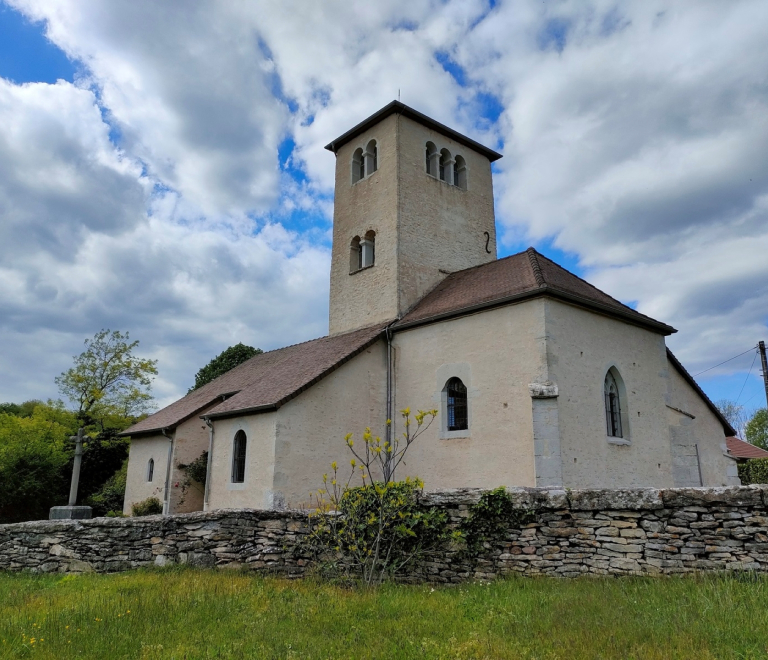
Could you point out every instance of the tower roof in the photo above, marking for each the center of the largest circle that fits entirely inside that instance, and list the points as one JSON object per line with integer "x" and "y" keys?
{"x": 524, "y": 275}
{"x": 395, "y": 107}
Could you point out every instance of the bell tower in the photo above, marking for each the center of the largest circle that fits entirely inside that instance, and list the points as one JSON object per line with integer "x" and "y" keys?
{"x": 413, "y": 202}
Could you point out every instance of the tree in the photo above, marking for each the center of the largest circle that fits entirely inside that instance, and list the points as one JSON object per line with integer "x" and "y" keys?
{"x": 735, "y": 414}
{"x": 756, "y": 429}
{"x": 108, "y": 383}
{"x": 222, "y": 363}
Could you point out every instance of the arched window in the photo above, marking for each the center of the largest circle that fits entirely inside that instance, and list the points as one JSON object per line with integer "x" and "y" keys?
{"x": 150, "y": 469}
{"x": 456, "y": 409}
{"x": 355, "y": 255}
{"x": 460, "y": 173}
{"x": 371, "y": 158}
{"x": 368, "y": 249}
{"x": 238, "y": 457}
{"x": 432, "y": 159}
{"x": 446, "y": 166}
{"x": 613, "y": 404}
{"x": 358, "y": 166}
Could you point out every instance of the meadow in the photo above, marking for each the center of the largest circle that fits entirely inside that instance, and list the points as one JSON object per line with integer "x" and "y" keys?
{"x": 187, "y": 613}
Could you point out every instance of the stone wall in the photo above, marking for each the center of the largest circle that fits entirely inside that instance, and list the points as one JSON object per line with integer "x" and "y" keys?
{"x": 605, "y": 532}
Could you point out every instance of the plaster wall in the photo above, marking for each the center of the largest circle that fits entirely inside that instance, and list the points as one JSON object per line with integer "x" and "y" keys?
{"x": 190, "y": 440}
{"x": 310, "y": 429}
{"x": 256, "y": 491}
{"x": 703, "y": 432}
{"x": 367, "y": 296}
{"x": 582, "y": 346}
{"x": 137, "y": 488}
{"x": 441, "y": 226}
{"x": 496, "y": 353}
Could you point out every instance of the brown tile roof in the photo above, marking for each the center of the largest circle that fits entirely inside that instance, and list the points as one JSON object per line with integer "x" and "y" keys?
{"x": 264, "y": 382}
{"x": 524, "y": 275}
{"x": 740, "y": 449}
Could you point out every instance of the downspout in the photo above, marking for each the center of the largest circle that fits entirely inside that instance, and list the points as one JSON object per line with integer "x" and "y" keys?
{"x": 209, "y": 424}
{"x": 390, "y": 382}
{"x": 167, "y": 496}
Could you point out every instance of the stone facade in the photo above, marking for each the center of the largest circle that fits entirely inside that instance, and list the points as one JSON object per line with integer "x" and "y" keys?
{"x": 570, "y": 533}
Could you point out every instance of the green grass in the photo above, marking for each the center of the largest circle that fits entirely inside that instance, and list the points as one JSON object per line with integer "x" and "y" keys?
{"x": 226, "y": 614}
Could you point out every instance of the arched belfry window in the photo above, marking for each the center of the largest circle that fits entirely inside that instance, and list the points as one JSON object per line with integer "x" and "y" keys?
{"x": 614, "y": 405}
{"x": 355, "y": 255}
{"x": 368, "y": 249}
{"x": 446, "y": 166}
{"x": 460, "y": 173}
{"x": 371, "y": 158}
{"x": 150, "y": 469}
{"x": 457, "y": 418}
{"x": 239, "y": 447}
{"x": 432, "y": 159}
{"x": 358, "y": 166}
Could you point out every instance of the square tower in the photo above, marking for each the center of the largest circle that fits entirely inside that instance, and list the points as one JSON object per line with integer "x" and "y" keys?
{"x": 413, "y": 203}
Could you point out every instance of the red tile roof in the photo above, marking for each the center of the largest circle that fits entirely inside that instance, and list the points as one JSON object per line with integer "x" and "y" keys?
{"x": 524, "y": 275}
{"x": 264, "y": 382}
{"x": 740, "y": 449}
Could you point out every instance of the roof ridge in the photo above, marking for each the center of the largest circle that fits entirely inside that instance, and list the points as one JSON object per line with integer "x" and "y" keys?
{"x": 533, "y": 258}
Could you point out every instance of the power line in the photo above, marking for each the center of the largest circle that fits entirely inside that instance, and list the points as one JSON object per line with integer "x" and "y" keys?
{"x": 752, "y": 348}
{"x": 747, "y": 378}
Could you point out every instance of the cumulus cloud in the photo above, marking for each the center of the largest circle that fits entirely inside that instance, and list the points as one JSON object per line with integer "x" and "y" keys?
{"x": 153, "y": 196}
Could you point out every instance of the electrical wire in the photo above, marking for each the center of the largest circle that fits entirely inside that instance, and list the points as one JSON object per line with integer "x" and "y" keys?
{"x": 747, "y": 378}
{"x": 751, "y": 348}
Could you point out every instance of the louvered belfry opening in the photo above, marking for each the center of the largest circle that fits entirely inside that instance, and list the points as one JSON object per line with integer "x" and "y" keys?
{"x": 238, "y": 458}
{"x": 612, "y": 407}
{"x": 457, "y": 405}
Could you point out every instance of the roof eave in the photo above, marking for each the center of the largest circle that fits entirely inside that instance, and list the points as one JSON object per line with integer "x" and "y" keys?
{"x": 544, "y": 290}
{"x": 415, "y": 115}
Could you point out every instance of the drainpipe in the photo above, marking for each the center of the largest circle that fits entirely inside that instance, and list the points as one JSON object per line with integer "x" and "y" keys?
{"x": 167, "y": 496}
{"x": 390, "y": 383}
{"x": 208, "y": 466}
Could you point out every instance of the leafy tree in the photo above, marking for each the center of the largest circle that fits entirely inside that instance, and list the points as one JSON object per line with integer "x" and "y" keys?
{"x": 222, "y": 363}
{"x": 108, "y": 384}
{"x": 756, "y": 429}
{"x": 736, "y": 415}
{"x": 20, "y": 409}
{"x": 33, "y": 462}
{"x": 108, "y": 500}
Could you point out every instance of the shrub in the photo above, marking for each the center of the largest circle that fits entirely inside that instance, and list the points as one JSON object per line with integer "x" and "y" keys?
{"x": 109, "y": 498}
{"x": 754, "y": 471}
{"x": 490, "y": 518}
{"x": 148, "y": 507}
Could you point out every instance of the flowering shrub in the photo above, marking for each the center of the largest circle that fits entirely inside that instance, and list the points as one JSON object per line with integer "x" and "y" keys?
{"x": 147, "y": 507}
{"x": 371, "y": 531}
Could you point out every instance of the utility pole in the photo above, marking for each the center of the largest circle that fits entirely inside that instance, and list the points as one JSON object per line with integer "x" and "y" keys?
{"x": 764, "y": 360}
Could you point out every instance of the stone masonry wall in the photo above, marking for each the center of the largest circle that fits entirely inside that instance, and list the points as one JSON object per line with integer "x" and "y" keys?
{"x": 572, "y": 533}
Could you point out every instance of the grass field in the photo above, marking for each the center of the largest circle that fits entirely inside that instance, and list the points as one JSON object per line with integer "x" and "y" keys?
{"x": 224, "y": 614}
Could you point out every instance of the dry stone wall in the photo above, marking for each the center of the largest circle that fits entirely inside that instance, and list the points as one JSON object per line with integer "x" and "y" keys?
{"x": 570, "y": 533}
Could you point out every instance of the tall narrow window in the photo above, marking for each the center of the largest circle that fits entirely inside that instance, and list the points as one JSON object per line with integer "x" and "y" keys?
{"x": 358, "y": 166}
{"x": 150, "y": 469}
{"x": 432, "y": 158}
{"x": 460, "y": 173}
{"x": 446, "y": 166}
{"x": 612, "y": 406}
{"x": 457, "y": 419}
{"x": 238, "y": 457}
{"x": 368, "y": 249}
{"x": 371, "y": 158}
{"x": 355, "y": 255}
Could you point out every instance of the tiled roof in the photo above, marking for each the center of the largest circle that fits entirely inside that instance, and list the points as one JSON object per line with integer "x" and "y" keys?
{"x": 740, "y": 449}
{"x": 264, "y": 382}
{"x": 523, "y": 275}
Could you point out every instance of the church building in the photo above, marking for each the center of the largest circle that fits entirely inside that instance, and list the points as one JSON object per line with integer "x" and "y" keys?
{"x": 539, "y": 378}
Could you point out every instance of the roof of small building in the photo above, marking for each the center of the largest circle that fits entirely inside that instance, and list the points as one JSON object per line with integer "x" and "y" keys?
{"x": 395, "y": 107}
{"x": 740, "y": 449}
{"x": 524, "y": 275}
{"x": 265, "y": 382}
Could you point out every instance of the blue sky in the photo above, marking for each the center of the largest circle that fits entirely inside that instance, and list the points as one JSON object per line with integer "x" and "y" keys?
{"x": 173, "y": 182}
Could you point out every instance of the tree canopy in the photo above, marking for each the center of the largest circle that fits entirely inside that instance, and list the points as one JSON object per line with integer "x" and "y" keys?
{"x": 756, "y": 429}
{"x": 223, "y": 362}
{"x": 108, "y": 383}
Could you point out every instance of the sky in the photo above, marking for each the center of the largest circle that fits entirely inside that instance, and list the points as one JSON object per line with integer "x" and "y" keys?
{"x": 162, "y": 169}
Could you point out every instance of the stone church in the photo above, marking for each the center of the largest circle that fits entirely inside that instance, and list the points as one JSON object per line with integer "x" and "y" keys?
{"x": 539, "y": 378}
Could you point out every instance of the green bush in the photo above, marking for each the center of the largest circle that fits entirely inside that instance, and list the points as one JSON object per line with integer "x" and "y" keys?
{"x": 109, "y": 498}
{"x": 148, "y": 507}
{"x": 754, "y": 471}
